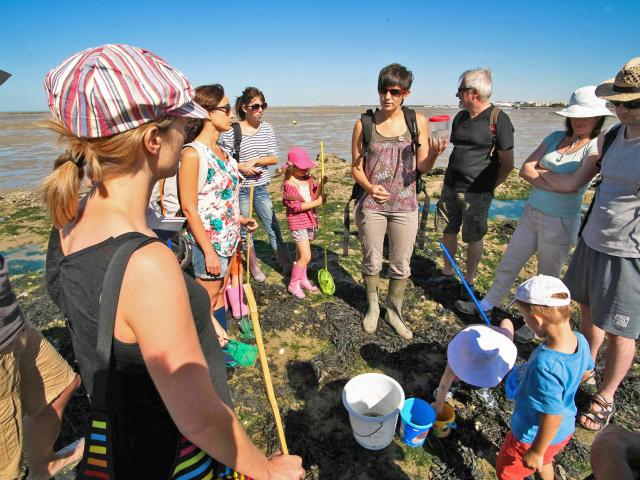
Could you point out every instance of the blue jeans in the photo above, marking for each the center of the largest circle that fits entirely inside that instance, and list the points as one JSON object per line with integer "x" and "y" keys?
{"x": 263, "y": 207}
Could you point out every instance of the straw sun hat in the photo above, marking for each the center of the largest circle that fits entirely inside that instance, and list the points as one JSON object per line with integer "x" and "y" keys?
{"x": 584, "y": 104}
{"x": 625, "y": 86}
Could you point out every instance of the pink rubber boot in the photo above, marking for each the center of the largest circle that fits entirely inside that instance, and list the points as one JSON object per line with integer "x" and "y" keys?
{"x": 294, "y": 284}
{"x": 306, "y": 284}
{"x": 234, "y": 297}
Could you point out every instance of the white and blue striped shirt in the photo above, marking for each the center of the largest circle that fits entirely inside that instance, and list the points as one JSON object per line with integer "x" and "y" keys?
{"x": 260, "y": 144}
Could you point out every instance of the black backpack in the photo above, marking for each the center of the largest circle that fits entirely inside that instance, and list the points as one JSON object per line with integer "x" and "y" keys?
{"x": 609, "y": 137}
{"x": 356, "y": 192}
{"x": 367, "y": 130}
{"x": 237, "y": 140}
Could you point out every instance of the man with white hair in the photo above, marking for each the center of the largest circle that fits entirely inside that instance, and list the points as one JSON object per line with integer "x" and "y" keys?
{"x": 482, "y": 158}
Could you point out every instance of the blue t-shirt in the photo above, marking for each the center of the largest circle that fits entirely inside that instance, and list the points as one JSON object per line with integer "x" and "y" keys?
{"x": 563, "y": 205}
{"x": 549, "y": 386}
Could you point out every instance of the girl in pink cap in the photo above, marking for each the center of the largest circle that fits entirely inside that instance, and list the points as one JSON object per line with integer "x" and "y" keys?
{"x": 301, "y": 196}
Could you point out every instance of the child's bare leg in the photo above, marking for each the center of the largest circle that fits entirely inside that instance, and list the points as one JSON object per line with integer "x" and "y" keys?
{"x": 547, "y": 472}
{"x": 303, "y": 253}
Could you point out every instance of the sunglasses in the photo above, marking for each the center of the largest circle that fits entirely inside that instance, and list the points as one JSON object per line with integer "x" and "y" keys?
{"x": 257, "y": 106}
{"x": 464, "y": 89}
{"x": 224, "y": 108}
{"x": 630, "y": 105}
{"x": 394, "y": 92}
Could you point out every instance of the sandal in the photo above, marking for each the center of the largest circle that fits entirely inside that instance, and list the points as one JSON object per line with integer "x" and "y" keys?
{"x": 600, "y": 418}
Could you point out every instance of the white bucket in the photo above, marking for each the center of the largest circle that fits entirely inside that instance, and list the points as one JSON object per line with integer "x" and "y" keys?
{"x": 373, "y": 401}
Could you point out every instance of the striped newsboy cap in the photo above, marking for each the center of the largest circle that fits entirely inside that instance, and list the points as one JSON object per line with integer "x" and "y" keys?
{"x": 111, "y": 89}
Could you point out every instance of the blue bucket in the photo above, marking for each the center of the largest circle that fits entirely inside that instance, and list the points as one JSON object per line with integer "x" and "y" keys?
{"x": 512, "y": 382}
{"x": 417, "y": 418}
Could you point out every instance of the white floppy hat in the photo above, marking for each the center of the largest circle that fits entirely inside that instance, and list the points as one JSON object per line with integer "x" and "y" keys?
{"x": 584, "y": 103}
{"x": 481, "y": 356}
{"x": 539, "y": 290}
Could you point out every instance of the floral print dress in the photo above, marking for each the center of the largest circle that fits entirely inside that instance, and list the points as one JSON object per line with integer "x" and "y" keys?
{"x": 218, "y": 205}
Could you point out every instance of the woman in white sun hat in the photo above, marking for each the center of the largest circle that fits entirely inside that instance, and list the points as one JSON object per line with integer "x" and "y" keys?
{"x": 551, "y": 219}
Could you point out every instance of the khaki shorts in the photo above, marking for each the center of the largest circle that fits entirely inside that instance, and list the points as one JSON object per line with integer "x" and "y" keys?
{"x": 32, "y": 375}
{"x": 468, "y": 210}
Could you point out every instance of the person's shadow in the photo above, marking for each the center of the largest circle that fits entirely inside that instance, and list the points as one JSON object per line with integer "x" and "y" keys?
{"x": 320, "y": 432}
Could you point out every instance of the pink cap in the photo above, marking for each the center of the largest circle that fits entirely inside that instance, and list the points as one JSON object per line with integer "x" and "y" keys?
{"x": 299, "y": 157}
{"x": 111, "y": 89}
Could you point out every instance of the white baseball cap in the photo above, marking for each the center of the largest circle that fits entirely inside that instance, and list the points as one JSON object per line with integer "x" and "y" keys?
{"x": 540, "y": 290}
{"x": 584, "y": 104}
{"x": 481, "y": 356}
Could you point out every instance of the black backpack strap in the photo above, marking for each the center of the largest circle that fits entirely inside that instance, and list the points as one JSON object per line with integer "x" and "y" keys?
{"x": 367, "y": 129}
{"x": 493, "y": 128}
{"x": 609, "y": 137}
{"x": 412, "y": 124}
{"x": 109, "y": 298}
{"x": 346, "y": 229}
{"x": 237, "y": 140}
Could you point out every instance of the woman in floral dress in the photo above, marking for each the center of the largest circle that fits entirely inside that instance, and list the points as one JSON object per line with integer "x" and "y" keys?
{"x": 208, "y": 186}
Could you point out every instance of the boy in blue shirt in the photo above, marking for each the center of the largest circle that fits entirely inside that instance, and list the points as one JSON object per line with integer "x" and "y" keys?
{"x": 543, "y": 420}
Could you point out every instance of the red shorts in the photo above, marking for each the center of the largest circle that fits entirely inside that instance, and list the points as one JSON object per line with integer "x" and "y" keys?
{"x": 509, "y": 464}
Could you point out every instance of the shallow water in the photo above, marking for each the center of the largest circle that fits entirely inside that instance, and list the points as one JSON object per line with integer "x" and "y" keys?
{"x": 29, "y": 258}
{"x": 27, "y": 150}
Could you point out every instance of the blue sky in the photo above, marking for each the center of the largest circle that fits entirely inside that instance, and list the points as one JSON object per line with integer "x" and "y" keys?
{"x": 330, "y": 52}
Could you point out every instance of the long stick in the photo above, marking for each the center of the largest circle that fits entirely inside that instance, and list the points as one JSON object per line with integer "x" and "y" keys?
{"x": 255, "y": 322}
{"x": 464, "y": 282}
{"x": 322, "y": 193}
{"x": 253, "y": 313}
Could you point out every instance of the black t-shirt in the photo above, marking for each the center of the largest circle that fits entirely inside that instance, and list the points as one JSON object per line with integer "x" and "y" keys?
{"x": 144, "y": 435}
{"x": 470, "y": 168}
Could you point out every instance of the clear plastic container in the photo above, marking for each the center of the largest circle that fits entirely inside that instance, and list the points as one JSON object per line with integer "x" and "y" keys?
{"x": 439, "y": 126}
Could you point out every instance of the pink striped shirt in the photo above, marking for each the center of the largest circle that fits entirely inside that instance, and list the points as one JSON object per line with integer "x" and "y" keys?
{"x": 292, "y": 200}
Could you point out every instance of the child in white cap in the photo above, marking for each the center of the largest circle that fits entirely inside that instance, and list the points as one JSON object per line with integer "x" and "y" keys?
{"x": 543, "y": 420}
{"x": 479, "y": 355}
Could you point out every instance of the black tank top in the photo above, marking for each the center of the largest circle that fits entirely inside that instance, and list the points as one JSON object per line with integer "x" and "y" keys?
{"x": 144, "y": 436}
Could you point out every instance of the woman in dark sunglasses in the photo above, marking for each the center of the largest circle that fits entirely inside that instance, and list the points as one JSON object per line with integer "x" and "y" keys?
{"x": 208, "y": 184}
{"x": 386, "y": 163}
{"x": 257, "y": 151}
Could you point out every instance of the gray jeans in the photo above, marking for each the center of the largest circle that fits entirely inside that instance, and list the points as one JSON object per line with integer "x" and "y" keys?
{"x": 400, "y": 227}
{"x": 549, "y": 237}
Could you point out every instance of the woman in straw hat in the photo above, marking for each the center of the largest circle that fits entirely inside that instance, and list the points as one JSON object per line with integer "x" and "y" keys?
{"x": 120, "y": 111}
{"x": 603, "y": 276}
{"x": 551, "y": 219}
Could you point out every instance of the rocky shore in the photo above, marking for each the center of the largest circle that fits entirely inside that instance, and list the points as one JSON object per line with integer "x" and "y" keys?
{"x": 315, "y": 345}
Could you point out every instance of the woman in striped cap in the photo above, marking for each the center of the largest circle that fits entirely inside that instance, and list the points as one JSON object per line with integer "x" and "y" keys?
{"x": 121, "y": 113}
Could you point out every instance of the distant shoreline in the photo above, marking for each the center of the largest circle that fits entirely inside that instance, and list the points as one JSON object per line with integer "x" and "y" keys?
{"x": 290, "y": 107}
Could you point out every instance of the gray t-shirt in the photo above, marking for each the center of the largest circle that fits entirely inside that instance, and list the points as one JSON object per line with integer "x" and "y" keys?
{"x": 11, "y": 320}
{"x": 613, "y": 227}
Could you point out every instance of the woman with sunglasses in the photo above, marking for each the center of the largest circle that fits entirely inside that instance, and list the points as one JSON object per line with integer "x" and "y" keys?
{"x": 121, "y": 112}
{"x": 387, "y": 171}
{"x": 258, "y": 151}
{"x": 208, "y": 184}
{"x": 549, "y": 224}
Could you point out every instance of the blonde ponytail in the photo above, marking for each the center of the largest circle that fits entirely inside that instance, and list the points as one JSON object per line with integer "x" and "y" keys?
{"x": 103, "y": 158}
{"x": 60, "y": 190}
